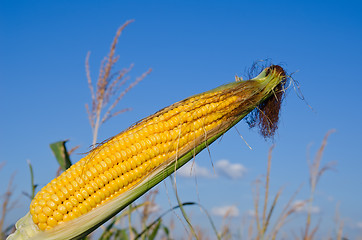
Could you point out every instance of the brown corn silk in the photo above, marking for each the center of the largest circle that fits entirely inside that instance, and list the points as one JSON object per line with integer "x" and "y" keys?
{"x": 131, "y": 158}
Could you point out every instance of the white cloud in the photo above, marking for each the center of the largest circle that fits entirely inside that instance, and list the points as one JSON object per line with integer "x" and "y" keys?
{"x": 225, "y": 211}
{"x": 222, "y": 168}
{"x": 191, "y": 169}
{"x": 230, "y": 170}
{"x": 359, "y": 225}
{"x": 304, "y": 207}
{"x": 251, "y": 213}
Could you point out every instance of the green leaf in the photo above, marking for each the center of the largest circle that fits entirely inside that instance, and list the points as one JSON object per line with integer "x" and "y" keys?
{"x": 155, "y": 230}
{"x": 108, "y": 232}
{"x": 121, "y": 234}
{"x": 61, "y": 154}
{"x": 33, "y": 186}
{"x": 167, "y": 232}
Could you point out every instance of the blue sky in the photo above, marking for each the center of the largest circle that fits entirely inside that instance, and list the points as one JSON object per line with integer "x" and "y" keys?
{"x": 192, "y": 46}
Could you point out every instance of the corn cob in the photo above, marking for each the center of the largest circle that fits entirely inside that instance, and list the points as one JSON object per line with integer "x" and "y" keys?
{"x": 127, "y": 165}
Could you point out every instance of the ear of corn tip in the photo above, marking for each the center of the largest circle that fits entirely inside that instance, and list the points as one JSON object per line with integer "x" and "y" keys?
{"x": 119, "y": 171}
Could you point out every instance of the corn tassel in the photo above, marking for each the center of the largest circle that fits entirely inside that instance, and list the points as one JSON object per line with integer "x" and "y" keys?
{"x": 123, "y": 168}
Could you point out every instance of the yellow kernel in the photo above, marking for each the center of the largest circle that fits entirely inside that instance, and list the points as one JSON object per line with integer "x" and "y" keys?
{"x": 122, "y": 143}
{"x": 156, "y": 149}
{"x": 80, "y": 181}
{"x": 133, "y": 149}
{"x": 128, "y": 176}
{"x": 88, "y": 175}
{"x": 132, "y": 174}
{"x": 63, "y": 181}
{"x": 113, "y": 185}
{"x": 99, "y": 182}
{"x": 68, "y": 205}
{"x": 101, "y": 194}
{"x": 113, "y": 159}
{"x": 141, "y": 170}
{"x": 154, "y": 162}
{"x": 109, "y": 189}
{"x": 55, "y": 198}
{"x": 84, "y": 193}
{"x": 113, "y": 173}
{"x": 93, "y": 171}
{"x": 118, "y": 170}
{"x": 57, "y": 215}
{"x": 35, "y": 218}
{"x": 155, "y": 127}
{"x": 128, "y": 152}
{"x": 65, "y": 192}
{"x": 104, "y": 165}
{"x": 128, "y": 166}
{"x": 102, "y": 153}
{"x": 46, "y": 196}
{"x": 87, "y": 205}
{"x": 163, "y": 137}
{"x": 51, "y": 204}
{"x": 94, "y": 185}
{"x": 141, "y": 158}
{"x": 108, "y": 161}
{"x": 153, "y": 140}
{"x": 150, "y": 152}
{"x": 103, "y": 178}
{"x": 108, "y": 175}
{"x": 91, "y": 202}
{"x": 123, "y": 154}
{"x": 50, "y": 190}
{"x": 96, "y": 198}
{"x": 48, "y": 211}
{"x": 166, "y": 125}
{"x": 71, "y": 215}
{"x": 42, "y": 202}
{"x": 82, "y": 209}
{"x": 62, "y": 209}
{"x": 148, "y": 142}
{"x": 124, "y": 180}
{"x": 99, "y": 168}
{"x": 76, "y": 212}
{"x": 38, "y": 209}
{"x": 75, "y": 186}
{"x": 138, "y": 146}
{"x": 79, "y": 196}
{"x": 79, "y": 170}
{"x": 66, "y": 218}
{"x": 106, "y": 150}
{"x": 151, "y": 129}
{"x": 89, "y": 189}
{"x": 32, "y": 210}
{"x": 105, "y": 192}
{"x": 137, "y": 173}
{"x": 74, "y": 201}
{"x": 119, "y": 182}
{"x": 96, "y": 157}
{"x": 42, "y": 218}
{"x": 52, "y": 222}
{"x": 42, "y": 226}
{"x": 143, "y": 144}
{"x": 160, "y": 126}
{"x": 123, "y": 168}
{"x": 137, "y": 137}
{"x": 132, "y": 162}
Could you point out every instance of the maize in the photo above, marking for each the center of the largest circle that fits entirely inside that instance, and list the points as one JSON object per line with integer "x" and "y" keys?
{"x": 129, "y": 158}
